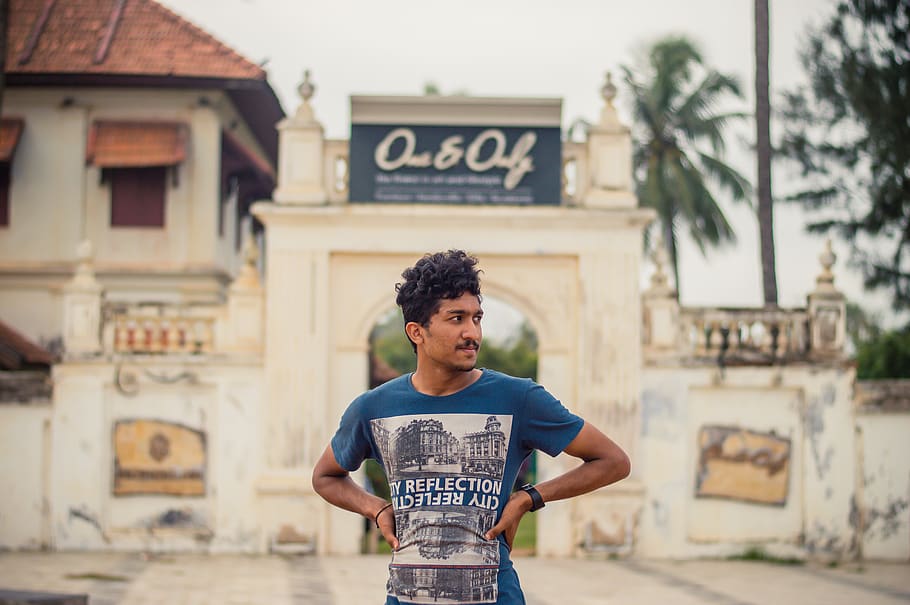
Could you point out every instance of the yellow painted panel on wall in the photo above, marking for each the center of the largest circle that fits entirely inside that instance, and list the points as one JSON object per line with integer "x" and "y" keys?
{"x": 155, "y": 457}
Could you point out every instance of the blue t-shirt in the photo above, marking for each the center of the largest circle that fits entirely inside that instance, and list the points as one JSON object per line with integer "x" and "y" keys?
{"x": 452, "y": 463}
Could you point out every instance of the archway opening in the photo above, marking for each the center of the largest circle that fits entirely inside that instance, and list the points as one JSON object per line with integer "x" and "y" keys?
{"x": 509, "y": 345}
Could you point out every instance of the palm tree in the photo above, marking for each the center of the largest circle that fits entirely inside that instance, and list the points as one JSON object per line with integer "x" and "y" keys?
{"x": 4, "y": 26}
{"x": 675, "y": 98}
{"x": 763, "y": 150}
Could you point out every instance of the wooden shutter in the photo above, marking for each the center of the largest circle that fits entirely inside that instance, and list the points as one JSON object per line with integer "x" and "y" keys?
{"x": 138, "y": 196}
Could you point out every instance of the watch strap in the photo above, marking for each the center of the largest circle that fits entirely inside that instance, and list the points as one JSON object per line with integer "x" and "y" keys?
{"x": 537, "y": 502}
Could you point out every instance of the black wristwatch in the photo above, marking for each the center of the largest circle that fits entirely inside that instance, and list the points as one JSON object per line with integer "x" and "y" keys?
{"x": 537, "y": 502}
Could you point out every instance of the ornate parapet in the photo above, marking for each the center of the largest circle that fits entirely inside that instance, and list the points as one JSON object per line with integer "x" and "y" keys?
{"x": 743, "y": 336}
{"x": 157, "y": 328}
{"x": 595, "y": 173}
{"x": 730, "y": 336}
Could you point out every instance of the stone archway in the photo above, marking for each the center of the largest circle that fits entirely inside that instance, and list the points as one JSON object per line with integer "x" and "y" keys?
{"x": 569, "y": 261}
{"x": 331, "y": 272}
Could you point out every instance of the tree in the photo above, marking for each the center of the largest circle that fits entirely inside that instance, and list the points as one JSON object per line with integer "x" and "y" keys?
{"x": 675, "y": 98}
{"x": 885, "y": 356}
{"x": 848, "y": 132}
{"x": 516, "y": 356}
{"x": 763, "y": 152}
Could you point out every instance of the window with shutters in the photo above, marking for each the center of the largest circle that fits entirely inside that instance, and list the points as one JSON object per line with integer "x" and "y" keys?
{"x": 138, "y": 196}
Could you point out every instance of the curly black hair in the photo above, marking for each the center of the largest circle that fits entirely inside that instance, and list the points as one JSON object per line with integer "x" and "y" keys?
{"x": 432, "y": 279}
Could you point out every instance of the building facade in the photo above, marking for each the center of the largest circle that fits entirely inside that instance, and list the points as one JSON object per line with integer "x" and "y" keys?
{"x": 190, "y": 400}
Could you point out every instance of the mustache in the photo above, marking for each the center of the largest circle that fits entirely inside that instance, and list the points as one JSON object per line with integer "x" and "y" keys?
{"x": 469, "y": 344}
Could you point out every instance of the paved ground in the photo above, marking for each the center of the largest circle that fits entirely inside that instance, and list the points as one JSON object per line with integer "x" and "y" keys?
{"x": 129, "y": 579}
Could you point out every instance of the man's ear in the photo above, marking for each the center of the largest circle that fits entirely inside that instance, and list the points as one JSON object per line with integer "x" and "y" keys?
{"x": 414, "y": 331}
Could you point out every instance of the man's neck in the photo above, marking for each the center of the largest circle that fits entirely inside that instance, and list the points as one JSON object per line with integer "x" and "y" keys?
{"x": 440, "y": 383}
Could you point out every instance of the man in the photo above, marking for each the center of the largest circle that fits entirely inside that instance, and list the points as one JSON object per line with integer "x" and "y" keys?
{"x": 451, "y": 438}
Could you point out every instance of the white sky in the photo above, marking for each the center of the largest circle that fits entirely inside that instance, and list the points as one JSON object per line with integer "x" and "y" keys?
{"x": 544, "y": 49}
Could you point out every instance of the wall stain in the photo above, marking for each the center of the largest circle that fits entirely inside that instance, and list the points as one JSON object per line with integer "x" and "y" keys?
{"x": 83, "y": 514}
{"x": 658, "y": 416}
{"x": 815, "y": 427}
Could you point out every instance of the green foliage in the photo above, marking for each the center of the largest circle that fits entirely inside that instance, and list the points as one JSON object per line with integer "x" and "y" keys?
{"x": 675, "y": 98}
{"x": 377, "y": 478}
{"x": 848, "y": 132}
{"x": 525, "y": 540}
{"x": 390, "y": 344}
{"x": 880, "y": 353}
{"x": 756, "y": 553}
{"x": 886, "y": 355}
{"x": 517, "y": 356}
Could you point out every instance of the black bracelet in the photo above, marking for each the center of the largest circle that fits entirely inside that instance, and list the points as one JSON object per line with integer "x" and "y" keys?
{"x": 537, "y": 502}
{"x": 376, "y": 518}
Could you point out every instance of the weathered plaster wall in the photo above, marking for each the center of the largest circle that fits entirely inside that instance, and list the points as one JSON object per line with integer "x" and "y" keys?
{"x": 886, "y": 490}
{"x": 812, "y": 407}
{"x": 24, "y": 443}
{"x": 219, "y": 400}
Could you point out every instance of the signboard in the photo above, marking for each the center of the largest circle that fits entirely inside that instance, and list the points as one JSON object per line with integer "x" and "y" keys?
{"x": 454, "y": 165}
{"x": 740, "y": 464}
{"x": 155, "y": 457}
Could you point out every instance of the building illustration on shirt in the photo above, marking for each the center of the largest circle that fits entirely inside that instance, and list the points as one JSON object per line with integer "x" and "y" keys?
{"x": 445, "y": 474}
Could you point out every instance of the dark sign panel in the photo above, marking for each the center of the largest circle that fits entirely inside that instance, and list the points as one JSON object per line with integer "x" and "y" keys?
{"x": 455, "y": 164}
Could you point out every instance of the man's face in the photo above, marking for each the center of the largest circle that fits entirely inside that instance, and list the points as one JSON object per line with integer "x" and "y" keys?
{"x": 452, "y": 338}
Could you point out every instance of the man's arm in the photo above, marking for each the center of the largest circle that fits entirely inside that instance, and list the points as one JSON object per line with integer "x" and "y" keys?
{"x": 604, "y": 463}
{"x": 334, "y": 484}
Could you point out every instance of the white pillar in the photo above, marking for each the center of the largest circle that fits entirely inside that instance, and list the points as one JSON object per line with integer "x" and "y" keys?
{"x": 246, "y": 305}
{"x": 300, "y": 144}
{"x": 827, "y": 312}
{"x": 609, "y": 159}
{"x": 82, "y": 307}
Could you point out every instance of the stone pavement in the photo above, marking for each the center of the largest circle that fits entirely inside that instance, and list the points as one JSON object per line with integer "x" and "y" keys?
{"x": 133, "y": 579}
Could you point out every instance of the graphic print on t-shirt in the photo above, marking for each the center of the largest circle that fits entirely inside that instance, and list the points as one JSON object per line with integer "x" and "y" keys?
{"x": 445, "y": 474}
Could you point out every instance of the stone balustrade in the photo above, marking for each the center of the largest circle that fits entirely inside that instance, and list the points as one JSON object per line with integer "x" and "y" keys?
{"x": 744, "y": 335}
{"x": 336, "y": 160}
{"x": 160, "y": 329}
{"x": 751, "y": 336}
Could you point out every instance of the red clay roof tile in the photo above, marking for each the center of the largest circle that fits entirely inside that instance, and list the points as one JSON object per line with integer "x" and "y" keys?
{"x": 124, "y": 144}
{"x": 69, "y": 36}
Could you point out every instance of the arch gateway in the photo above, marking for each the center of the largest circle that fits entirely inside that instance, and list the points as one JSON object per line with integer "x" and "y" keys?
{"x": 557, "y": 230}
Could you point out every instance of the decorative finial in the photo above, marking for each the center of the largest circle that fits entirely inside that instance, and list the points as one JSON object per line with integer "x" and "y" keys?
{"x": 85, "y": 269}
{"x": 608, "y": 118}
{"x": 660, "y": 282}
{"x": 825, "y": 280}
{"x": 306, "y": 89}
{"x": 248, "y": 276}
{"x": 609, "y": 89}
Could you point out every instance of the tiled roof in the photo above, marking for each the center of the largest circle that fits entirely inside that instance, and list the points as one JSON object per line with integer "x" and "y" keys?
{"x": 10, "y": 130}
{"x": 17, "y": 351}
{"x": 115, "y": 37}
{"x": 123, "y": 144}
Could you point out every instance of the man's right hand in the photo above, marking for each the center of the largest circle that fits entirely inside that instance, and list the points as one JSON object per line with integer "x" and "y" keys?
{"x": 386, "y": 522}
